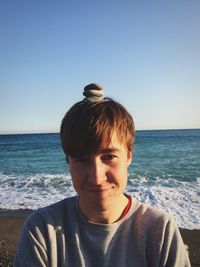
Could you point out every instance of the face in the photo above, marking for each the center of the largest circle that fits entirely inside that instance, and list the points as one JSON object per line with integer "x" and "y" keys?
{"x": 100, "y": 179}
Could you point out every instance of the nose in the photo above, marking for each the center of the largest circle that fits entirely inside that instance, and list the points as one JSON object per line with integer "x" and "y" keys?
{"x": 97, "y": 172}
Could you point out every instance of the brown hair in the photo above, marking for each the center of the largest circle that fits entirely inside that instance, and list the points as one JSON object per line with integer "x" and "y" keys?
{"x": 89, "y": 124}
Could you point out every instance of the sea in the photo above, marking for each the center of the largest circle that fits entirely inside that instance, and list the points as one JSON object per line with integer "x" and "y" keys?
{"x": 165, "y": 172}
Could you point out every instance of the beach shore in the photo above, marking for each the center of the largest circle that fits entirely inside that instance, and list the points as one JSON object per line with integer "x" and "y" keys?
{"x": 11, "y": 222}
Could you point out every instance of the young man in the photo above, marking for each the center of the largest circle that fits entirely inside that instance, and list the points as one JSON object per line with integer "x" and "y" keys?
{"x": 101, "y": 226}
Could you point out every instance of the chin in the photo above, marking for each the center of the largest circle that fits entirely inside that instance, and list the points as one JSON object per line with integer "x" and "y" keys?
{"x": 101, "y": 203}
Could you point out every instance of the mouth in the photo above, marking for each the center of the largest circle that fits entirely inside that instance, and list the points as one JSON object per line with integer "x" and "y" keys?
{"x": 99, "y": 190}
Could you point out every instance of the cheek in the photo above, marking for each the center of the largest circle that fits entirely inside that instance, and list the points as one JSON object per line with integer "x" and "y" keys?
{"x": 75, "y": 171}
{"x": 75, "y": 176}
{"x": 120, "y": 173}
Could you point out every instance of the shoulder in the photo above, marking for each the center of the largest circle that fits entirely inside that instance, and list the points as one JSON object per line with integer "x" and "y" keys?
{"x": 157, "y": 233}
{"x": 53, "y": 214}
{"x": 156, "y": 225}
{"x": 152, "y": 221}
{"x": 150, "y": 214}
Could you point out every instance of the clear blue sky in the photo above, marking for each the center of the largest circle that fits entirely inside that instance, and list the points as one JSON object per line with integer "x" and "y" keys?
{"x": 145, "y": 53}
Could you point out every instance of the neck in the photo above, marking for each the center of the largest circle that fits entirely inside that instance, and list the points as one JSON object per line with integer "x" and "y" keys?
{"x": 108, "y": 215}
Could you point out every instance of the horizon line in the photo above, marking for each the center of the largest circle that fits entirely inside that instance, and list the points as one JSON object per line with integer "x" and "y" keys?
{"x": 137, "y": 130}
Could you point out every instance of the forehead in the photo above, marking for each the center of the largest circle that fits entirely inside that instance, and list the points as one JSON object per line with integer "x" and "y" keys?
{"x": 111, "y": 144}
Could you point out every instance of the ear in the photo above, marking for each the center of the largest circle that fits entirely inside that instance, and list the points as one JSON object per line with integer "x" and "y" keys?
{"x": 129, "y": 156}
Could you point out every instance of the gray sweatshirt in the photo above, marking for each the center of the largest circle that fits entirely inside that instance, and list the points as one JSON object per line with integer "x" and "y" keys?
{"x": 59, "y": 235}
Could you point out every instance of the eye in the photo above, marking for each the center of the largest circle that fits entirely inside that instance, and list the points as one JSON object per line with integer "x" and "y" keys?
{"x": 108, "y": 157}
{"x": 81, "y": 159}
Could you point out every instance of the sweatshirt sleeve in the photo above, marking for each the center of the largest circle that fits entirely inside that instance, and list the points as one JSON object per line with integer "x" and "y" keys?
{"x": 174, "y": 253}
{"x": 31, "y": 247}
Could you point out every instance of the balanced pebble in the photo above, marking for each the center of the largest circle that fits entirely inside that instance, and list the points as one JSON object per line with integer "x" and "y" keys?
{"x": 93, "y": 86}
{"x": 94, "y": 98}
{"x": 90, "y": 93}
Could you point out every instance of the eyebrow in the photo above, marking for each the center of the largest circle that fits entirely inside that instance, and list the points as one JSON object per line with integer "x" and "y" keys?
{"x": 100, "y": 151}
{"x": 108, "y": 150}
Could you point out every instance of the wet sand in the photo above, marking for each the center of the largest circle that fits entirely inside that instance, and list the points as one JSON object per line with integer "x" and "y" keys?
{"x": 11, "y": 223}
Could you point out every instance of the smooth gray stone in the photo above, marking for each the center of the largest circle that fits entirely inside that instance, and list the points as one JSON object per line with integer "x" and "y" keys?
{"x": 93, "y": 93}
{"x": 93, "y": 99}
{"x": 93, "y": 86}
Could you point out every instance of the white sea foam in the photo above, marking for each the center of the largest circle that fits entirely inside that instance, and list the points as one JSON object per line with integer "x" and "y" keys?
{"x": 182, "y": 199}
{"x": 34, "y": 191}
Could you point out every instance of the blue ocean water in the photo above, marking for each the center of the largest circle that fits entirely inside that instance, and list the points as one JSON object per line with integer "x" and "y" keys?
{"x": 165, "y": 172}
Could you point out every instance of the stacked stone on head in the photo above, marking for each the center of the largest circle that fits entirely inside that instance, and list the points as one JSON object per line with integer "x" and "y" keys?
{"x": 93, "y": 92}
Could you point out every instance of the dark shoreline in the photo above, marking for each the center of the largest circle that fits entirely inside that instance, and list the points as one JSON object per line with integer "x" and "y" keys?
{"x": 11, "y": 222}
